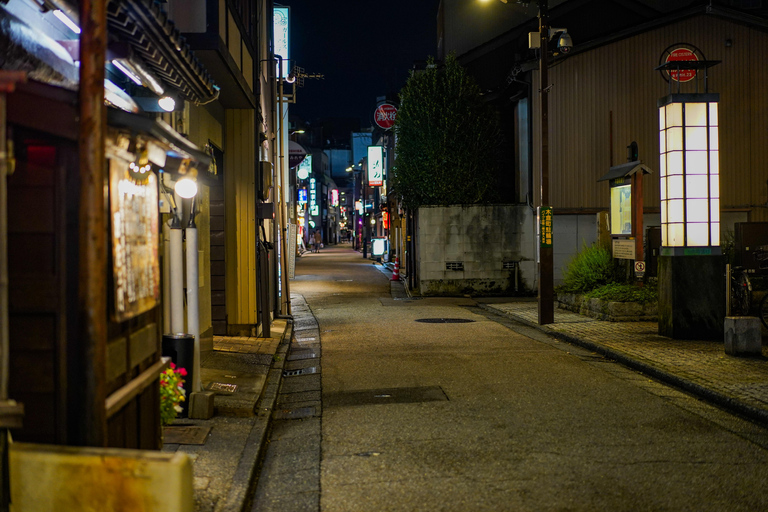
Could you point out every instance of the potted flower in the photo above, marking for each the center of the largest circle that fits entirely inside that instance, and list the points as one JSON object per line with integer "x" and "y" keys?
{"x": 171, "y": 393}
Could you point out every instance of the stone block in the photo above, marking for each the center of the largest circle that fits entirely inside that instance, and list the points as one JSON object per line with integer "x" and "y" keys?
{"x": 201, "y": 405}
{"x": 742, "y": 336}
{"x": 49, "y": 477}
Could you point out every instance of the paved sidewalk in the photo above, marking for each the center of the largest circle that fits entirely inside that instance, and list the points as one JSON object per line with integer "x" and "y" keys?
{"x": 700, "y": 367}
{"x": 245, "y": 373}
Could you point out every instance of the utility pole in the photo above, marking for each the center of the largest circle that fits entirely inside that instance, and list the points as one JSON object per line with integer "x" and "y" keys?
{"x": 546, "y": 259}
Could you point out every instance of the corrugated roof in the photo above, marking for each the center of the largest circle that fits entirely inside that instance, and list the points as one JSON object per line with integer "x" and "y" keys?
{"x": 155, "y": 39}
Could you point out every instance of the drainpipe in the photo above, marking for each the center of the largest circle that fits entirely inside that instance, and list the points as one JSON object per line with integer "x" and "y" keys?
{"x": 193, "y": 310}
{"x": 177, "y": 271}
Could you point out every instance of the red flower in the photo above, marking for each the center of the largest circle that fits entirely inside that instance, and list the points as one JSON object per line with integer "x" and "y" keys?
{"x": 182, "y": 372}
{"x": 173, "y": 366}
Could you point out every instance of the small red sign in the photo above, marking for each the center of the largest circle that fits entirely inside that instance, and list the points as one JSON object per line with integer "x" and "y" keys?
{"x": 385, "y": 116}
{"x": 682, "y": 54}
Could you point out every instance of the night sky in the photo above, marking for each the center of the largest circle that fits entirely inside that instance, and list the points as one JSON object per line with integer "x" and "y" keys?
{"x": 365, "y": 49}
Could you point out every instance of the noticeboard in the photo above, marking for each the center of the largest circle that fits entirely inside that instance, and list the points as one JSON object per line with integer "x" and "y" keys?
{"x": 623, "y": 248}
{"x": 135, "y": 260}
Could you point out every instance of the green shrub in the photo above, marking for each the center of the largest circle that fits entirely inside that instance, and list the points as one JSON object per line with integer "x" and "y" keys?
{"x": 625, "y": 292}
{"x": 591, "y": 268}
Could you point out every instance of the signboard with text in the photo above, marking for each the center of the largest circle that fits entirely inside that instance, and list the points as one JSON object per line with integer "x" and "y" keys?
{"x": 135, "y": 259}
{"x": 375, "y": 166}
{"x": 384, "y": 116}
{"x": 545, "y": 226}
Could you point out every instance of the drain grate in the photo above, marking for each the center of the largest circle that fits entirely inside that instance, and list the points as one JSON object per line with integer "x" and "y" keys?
{"x": 301, "y": 371}
{"x": 222, "y": 387}
{"x": 302, "y": 353}
{"x": 444, "y": 320}
{"x": 385, "y": 396}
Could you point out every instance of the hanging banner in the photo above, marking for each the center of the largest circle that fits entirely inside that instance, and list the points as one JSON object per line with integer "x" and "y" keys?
{"x": 375, "y": 166}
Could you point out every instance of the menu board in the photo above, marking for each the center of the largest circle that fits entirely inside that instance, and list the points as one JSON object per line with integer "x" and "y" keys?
{"x": 134, "y": 221}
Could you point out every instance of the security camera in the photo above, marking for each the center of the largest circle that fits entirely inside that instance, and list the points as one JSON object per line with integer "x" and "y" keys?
{"x": 565, "y": 43}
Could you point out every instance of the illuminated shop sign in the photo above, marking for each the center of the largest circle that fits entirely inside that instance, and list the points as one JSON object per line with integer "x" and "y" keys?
{"x": 375, "y": 166}
{"x": 314, "y": 209}
{"x": 305, "y": 168}
{"x": 334, "y": 197}
{"x": 281, "y": 39}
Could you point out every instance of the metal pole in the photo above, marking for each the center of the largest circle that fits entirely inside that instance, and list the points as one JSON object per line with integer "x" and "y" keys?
{"x": 193, "y": 309}
{"x": 92, "y": 303}
{"x": 177, "y": 272}
{"x": 285, "y": 303}
{"x": 546, "y": 264}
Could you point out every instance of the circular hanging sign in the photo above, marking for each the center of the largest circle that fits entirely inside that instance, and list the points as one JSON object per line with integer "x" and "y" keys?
{"x": 384, "y": 116}
{"x": 680, "y": 52}
{"x": 296, "y": 154}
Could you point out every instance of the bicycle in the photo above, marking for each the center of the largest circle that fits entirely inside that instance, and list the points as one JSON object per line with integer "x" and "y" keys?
{"x": 742, "y": 287}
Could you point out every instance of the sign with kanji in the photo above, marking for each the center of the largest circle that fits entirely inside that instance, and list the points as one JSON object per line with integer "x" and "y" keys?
{"x": 545, "y": 226}
{"x": 384, "y": 116}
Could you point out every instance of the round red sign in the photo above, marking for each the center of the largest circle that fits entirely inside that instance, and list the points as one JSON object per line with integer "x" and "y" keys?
{"x": 385, "y": 115}
{"x": 682, "y": 54}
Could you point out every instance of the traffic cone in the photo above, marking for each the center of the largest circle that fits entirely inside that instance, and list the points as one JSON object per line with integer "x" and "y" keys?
{"x": 396, "y": 270}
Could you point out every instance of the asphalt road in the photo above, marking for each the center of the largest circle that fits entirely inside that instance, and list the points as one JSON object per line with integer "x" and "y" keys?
{"x": 489, "y": 415}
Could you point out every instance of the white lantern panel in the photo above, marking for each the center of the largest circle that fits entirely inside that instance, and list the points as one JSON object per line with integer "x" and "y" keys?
{"x": 696, "y": 162}
{"x": 674, "y": 114}
{"x": 696, "y": 186}
{"x": 675, "y": 139}
{"x": 714, "y": 143}
{"x": 663, "y": 165}
{"x": 675, "y": 235}
{"x": 663, "y": 187}
{"x": 714, "y": 185}
{"x": 715, "y": 234}
{"x": 698, "y": 234}
{"x": 697, "y": 210}
{"x": 714, "y": 162}
{"x": 695, "y": 138}
{"x": 713, "y": 114}
{"x": 662, "y": 118}
{"x": 695, "y": 114}
{"x": 662, "y": 142}
{"x": 675, "y": 187}
{"x": 675, "y": 162}
{"x": 675, "y": 210}
{"x": 714, "y": 209}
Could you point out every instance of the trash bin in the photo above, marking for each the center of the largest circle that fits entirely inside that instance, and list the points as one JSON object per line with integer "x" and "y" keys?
{"x": 180, "y": 348}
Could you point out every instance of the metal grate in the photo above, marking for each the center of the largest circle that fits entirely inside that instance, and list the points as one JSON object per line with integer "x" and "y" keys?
{"x": 444, "y": 320}
{"x": 454, "y": 265}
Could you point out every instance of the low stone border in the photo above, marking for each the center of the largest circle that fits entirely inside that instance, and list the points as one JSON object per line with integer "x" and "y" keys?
{"x": 610, "y": 311}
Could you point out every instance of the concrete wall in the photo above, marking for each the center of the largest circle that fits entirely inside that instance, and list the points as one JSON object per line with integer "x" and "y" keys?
{"x": 482, "y": 238}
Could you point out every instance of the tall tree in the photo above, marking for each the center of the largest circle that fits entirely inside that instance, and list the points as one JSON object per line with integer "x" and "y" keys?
{"x": 448, "y": 139}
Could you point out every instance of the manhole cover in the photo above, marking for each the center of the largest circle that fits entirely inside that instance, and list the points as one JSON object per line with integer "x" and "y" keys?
{"x": 301, "y": 371}
{"x": 444, "y": 320}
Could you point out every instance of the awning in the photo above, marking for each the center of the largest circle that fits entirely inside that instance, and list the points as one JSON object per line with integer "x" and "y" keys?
{"x": 178, "y": 149}
{"x": 624, "y": 170}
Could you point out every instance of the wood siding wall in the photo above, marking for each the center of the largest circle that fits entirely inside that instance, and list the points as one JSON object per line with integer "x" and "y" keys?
{"x": 618, "y": 82}
{"x": 240, "y": 191}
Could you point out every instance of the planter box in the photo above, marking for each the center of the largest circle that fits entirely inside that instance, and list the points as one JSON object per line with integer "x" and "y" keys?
{"x": 610, "y": 311}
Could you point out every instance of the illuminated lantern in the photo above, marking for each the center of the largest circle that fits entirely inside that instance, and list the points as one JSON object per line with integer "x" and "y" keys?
{"x": 690, "y": 174}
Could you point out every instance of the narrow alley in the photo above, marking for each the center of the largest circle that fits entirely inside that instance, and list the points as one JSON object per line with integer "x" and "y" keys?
{"x": 397, "y": 403}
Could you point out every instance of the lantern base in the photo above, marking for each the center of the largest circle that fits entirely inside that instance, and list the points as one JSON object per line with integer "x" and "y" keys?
{"x": 691, "y": 297}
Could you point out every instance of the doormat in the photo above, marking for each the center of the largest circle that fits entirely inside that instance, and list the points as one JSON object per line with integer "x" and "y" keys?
{"x": 185, "y": 435}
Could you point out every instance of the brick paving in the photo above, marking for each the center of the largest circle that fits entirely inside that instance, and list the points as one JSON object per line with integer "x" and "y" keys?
{"x": 245, "y": 344}
{"x": 701, "y": 367}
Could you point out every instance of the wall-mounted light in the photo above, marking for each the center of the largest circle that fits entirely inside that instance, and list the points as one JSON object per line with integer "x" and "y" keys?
{"x": 167, "y": 103}
{"x": 690, "y": 173}
{"x": 66, "y": 20}
{"x": 186, "y": 188}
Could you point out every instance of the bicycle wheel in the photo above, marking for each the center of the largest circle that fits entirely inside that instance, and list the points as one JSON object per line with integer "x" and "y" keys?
{"x": 763, "y": 311}
{"x": 740, "y": 296}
